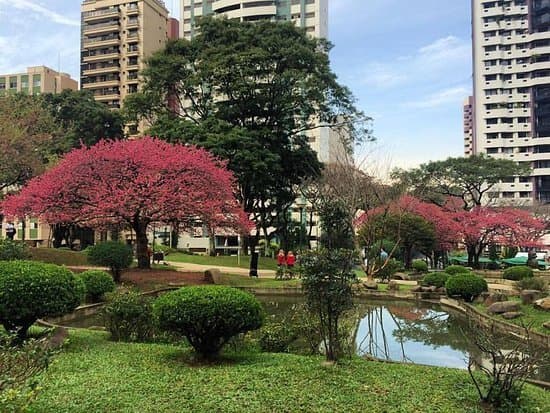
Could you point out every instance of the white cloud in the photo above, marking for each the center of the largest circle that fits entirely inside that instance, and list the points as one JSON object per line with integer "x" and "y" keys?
{"x": 452, "y": 95}
{"x": 43, "y": 11}
{"x": 430, "y": 62}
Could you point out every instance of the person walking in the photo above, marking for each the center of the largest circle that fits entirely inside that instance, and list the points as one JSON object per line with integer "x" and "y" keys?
{"x": 290, "y": 262}
{"x": 10, "y": 230}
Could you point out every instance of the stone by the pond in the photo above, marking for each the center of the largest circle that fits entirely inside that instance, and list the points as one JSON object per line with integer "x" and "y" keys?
{"x": 495, "y": 298}
{"x": 400, "y": 276}
{"x": 417, "y": 289}
{"x": 370, "y": 285}
{"x": 543, "y": 304}
{"x": 393, "y": 286}
{"x": 441, "y": 290}
{"x": 511, "y": 315}
{"x": 503, "y": 307}
{"x": 546, "y": 325}
{"x": 213, "y": 276}
{"x": 530, "y": 296}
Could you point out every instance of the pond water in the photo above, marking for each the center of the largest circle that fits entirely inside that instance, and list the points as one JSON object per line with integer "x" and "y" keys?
{"x": 413, "y": 332}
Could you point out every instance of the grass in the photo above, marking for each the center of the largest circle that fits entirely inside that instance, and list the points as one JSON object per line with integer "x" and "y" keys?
{"x": 264, "y": 263}
{"x": 243, "y": 281}
{"x": 95, "y": 375}
{"x": 60, "y": 257}
{"x": 402, "y": 287}
{"x": 532, "y": 317}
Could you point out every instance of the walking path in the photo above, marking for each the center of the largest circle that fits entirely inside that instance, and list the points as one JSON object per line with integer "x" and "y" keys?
{"x": 186, "y": 266}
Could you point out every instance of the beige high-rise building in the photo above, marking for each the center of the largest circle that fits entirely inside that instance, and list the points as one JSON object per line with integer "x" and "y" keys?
{"x": 37, "y": 79}
{"x": 511, "y": 44}
{"x": 117, "y": 36}
{"x": 467, "y": 111}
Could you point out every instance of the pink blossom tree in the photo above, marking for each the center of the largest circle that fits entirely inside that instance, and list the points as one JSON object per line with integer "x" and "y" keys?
{"x": 133, "y": 184}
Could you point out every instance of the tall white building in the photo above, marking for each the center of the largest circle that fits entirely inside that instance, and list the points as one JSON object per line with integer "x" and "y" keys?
{"x": 312, "y": 15}
{"x": 511, "y": 120}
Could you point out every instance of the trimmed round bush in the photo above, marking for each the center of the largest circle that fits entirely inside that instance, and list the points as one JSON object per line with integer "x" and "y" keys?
{"x": 13, "y": 250}
{"x": 435, "y": 279}
{"x": 97, "y": 283}
{"x": 517, "y": 273}
{"x": 113, "y": 254}
{"x": 419, "y": 266}
{"x": 466, "y": 286}
{"x": 456, "y": 269}
{"x": 208, "y": 316}
{"x": 31, "y": 290}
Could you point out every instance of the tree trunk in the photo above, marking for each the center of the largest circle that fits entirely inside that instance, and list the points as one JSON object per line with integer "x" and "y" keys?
{"x": 212, "y": 243}
{"x": 144, "y": 261}
{"x": 471, "y": 254}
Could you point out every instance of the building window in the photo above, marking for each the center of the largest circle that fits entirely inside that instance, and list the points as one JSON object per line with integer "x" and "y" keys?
{"x": 13, "y": 82}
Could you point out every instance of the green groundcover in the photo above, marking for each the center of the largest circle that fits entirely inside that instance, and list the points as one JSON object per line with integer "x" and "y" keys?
{"x": 508, "y": 261}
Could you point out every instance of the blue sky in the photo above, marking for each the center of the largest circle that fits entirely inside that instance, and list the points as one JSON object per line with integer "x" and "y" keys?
{"x": 408, "y": 63}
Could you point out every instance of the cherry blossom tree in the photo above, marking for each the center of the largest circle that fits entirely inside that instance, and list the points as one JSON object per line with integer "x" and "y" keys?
{"x": 133, "y": 184}
{"x": 507, "y": 226}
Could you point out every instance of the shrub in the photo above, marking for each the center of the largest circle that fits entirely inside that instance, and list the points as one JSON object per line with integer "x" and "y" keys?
{"x": 19, "y": 367}
{"x": 208, "y": 316}
{"x": 517, "y": 273}
{"x": 113, "y": 254}
{"x": 129, "y": 316}
{"x": 534, "y": 283}
{"x": 435, "y": 279}
{"x": 392, "y": 266}
{"x": 97, "y": 283}
{"x": 13, "y": 250}
{"x": 31, "y": 290}
{"x": 467, "y": 286}
{"x": 456, "y": 269}
{"x": 276, "y": 337}
{"x": 419, "y": 266}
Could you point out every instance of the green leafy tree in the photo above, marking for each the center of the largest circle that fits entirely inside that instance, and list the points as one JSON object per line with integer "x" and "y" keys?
{"x": 466, "y": 179}
{"x": 113, "y": 254}
{"x": 327, "y": 277}
{"x": 81, "y": 119}
{"x": 249, "y": 93}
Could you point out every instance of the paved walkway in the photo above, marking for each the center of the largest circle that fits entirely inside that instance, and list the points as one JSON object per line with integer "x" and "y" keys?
{"x": 186, "y": 266}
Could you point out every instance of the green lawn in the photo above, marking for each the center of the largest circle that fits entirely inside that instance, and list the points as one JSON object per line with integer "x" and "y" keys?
{"x": 531, "y": 317}
{"x": 224, "y": 261}
{"x": 60, "y": 257}
{"x": 244, "y": 281}
{"x": 95, "y": 375}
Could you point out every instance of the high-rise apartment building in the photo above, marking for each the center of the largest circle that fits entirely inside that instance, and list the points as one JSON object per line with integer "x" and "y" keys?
{"x": 468, "y": 108}
{"x": 117, "y": 35}
{"x": 511, "y": 55}
{"x": 37, "y": 79}
{"x": 309, "y": 14}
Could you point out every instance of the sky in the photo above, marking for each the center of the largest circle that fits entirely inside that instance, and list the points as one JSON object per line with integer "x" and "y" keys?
{"x": 408, "y": 63}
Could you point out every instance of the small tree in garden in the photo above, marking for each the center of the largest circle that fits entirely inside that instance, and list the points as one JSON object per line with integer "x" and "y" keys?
{"x": 133, "y": 184}
{"x": 327, "y": 277}
{"x": 208, "y": 316}
{"x": 113, "y": 254}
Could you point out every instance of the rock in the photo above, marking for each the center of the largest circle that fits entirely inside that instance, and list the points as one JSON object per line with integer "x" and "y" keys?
{"x": 400, "y": 276}
{"x": 417, "y": 289}
{"x": 442, "y": 290}
{"x": 212, "y": 276}
{"x": 370, "y": 285}
{"x": 543, "y": 304}
{"x": 495, "y": 298}
{"x": 393, "y": 286}
{"x": 503, "y": 307}
{"x": 430, "y": 289}
{"x": 530, "y": 296}
{"x": 511, "y": 315}
{"x": 547, "y": 325}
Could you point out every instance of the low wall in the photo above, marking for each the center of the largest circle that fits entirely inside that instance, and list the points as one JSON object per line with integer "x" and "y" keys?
{"x": 487, "y": 321}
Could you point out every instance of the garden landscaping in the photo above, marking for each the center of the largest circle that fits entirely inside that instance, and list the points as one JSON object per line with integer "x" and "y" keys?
{"x": 93, "y": 374}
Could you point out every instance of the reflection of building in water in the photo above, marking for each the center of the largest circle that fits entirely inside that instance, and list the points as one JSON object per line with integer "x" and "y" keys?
{"x": 408, "y": 313}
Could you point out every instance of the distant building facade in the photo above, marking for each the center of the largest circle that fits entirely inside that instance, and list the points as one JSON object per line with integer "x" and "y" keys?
{"x": 511, "y": 117}
{"x": 468, "y": 125}
{"x": 36, "y": 80}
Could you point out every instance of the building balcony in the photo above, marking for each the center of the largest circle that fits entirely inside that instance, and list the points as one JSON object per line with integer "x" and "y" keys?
{"x": 106, "y": 97}
{"x": 105, "y": 83}
{"x": 100, "y": 57}
{"x": 101, "y": 70}
{"x": 89, "y": 16}
{"x": 107, "y": 27}
{"x": 132, "y": 10}
{"x": 99, "y": 42}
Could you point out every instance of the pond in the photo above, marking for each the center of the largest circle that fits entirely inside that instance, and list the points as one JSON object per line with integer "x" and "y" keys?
{"x": 415, "y": 332}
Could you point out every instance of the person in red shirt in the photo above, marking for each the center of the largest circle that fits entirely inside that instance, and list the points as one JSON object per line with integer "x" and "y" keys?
{"x": 281, "y": 264}
{"x": 290, "y": 261}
